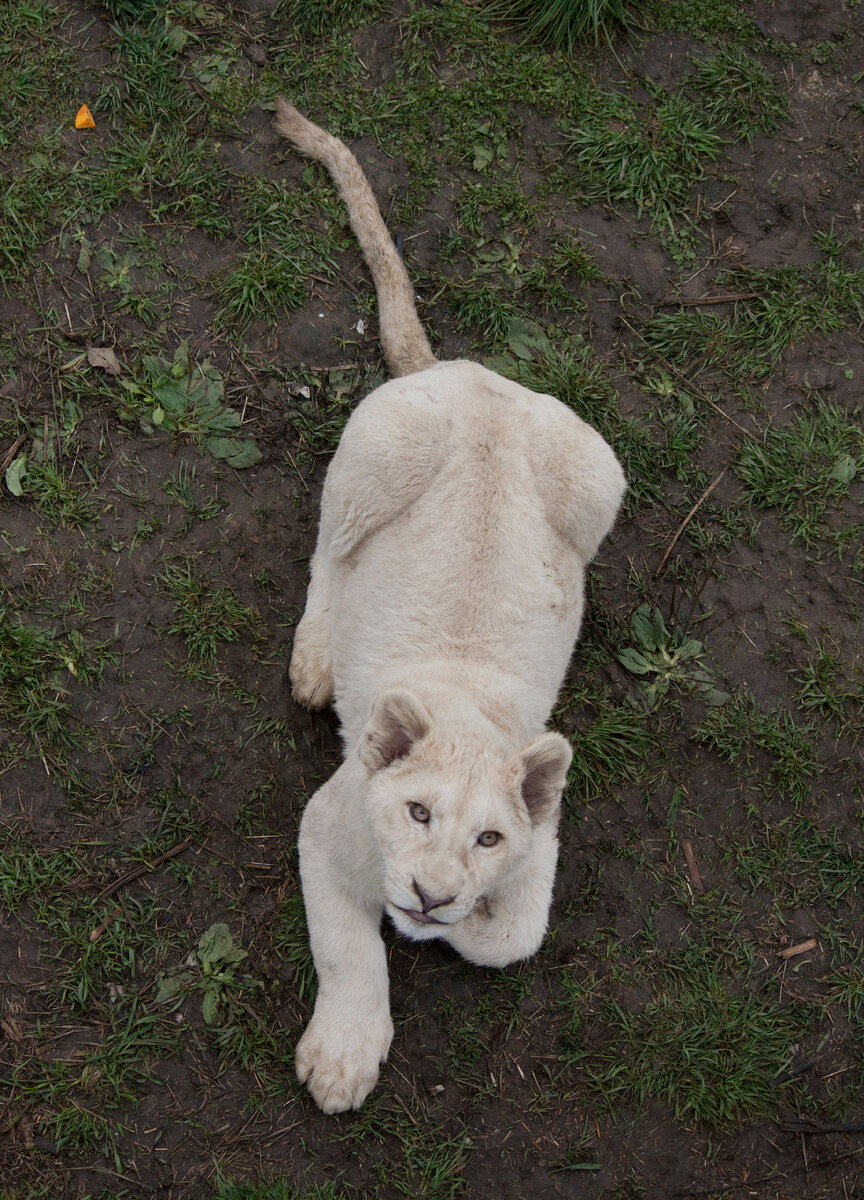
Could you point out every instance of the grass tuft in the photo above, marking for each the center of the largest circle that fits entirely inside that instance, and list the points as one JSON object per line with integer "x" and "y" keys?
{"x": 702, "y": 1044}
{"x": 647, "y": 156}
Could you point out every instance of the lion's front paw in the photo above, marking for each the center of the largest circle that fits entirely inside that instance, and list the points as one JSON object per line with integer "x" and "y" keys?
{"x": 311, "y": 672}
{"x": 340, "y": 1064}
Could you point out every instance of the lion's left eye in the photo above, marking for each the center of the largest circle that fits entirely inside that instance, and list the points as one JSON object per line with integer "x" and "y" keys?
{"x": 419, "y": 812}
{"x": 488, "y": 838}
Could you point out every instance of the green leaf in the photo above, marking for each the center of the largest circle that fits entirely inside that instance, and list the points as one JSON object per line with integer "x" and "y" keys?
{"x": 844, "y": 469}
{"x": 247, "y": 456}
{"x": 215, "y": 943}
{"x": 15, "y": 473}
{"x": 635, "y": 662}
{"x": 210, "y": 1005}
{"x": 172, "y": 396}
{"x": 170, "y": 985}
{"x": 157, "y": 416}
{"x": 689, "y": 649}
{"x": 181, "y": 360}
{"x": 643, "y": 628}
{"x": 483, "y": 155}
{"x": 174, "y": 38}
{"x": 227, "y": 418}
{"x": 236, "y": 452}
{"x": 526, "y": 339}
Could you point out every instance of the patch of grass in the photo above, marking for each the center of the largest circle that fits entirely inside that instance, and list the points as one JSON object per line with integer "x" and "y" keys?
{"x": 40, "y": 670}
{"x": 739, "y": 731}
{"x": 563, "y": 23}
{"x": 823, "y": 688}
{"x": 800, "y": 863}
{"x": 738, "y": 93}
{"x": 723, "y": 21}
{"x": 181, "y": 486}
{"x": 805, "y": 469}
{"x": 317, "y": 18}
{"x": 291, "y": 939}
{"x": 612, "y": 749}
{"x": 648, "y": 157}
{"x": 262, "y": 285}
{"x": 205, "y": 615}
{"x": 276, "y": 1189}
{"x": 703, "y": 1044}
{"x": 286, "y": 249}
{"x": 55, "y": 496}
{"x": 790, "y": 303}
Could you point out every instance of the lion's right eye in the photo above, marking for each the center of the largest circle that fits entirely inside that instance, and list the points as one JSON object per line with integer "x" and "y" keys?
{"x": 419, "y": 812}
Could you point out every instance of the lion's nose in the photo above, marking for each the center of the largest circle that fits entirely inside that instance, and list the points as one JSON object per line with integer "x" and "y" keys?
{"x": 430, "y": 902}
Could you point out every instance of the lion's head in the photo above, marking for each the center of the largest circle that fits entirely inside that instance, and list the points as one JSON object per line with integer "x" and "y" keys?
{"x": 453, "y": 818}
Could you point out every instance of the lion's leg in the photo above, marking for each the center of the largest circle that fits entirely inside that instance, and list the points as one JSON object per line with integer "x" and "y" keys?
{"x": 311, "y": 669}
{"x": 346, "y": 1041}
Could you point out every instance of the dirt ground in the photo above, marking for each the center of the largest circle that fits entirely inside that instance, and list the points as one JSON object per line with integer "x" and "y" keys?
{"x": 153, "y": 767}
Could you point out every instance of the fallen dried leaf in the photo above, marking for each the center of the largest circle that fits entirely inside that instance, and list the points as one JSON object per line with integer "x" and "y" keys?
{"x": 104, "y": 357}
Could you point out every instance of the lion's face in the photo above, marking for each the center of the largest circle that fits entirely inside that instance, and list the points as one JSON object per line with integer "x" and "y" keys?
{"x": 451, "y": 820}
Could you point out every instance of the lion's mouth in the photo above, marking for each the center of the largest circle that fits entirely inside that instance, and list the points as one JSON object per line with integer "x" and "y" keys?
{"x": 420, "y": 917}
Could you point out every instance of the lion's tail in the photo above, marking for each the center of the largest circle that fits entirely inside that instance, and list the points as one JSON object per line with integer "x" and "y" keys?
{"x": 405, "y": 343}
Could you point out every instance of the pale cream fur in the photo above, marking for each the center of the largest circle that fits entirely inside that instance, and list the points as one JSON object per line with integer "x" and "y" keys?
{"x": 458, "y": 515}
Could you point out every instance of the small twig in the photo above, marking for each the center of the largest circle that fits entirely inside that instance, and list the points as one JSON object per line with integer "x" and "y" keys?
{"x": 12, "y": 451}
{"x": 687, "y": 520}
{"x": 730, "y": 298}
{"x": 692, "y": 867}
{"x": 96, "y": 933}
{"x": 144, "y": 869}
{"x": 801, "y": 948}
{"x": 794, "y": 1072}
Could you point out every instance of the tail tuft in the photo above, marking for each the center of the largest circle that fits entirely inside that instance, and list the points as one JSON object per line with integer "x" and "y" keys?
{"x": 406, "y": 346}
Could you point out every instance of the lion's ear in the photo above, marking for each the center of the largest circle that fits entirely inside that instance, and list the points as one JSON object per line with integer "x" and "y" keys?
{"x": 398, "y": 721}
{"x": 544, "y": 764}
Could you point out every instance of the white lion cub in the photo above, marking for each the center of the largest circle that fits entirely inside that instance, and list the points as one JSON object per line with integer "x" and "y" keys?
{"x": 458, "y": 515}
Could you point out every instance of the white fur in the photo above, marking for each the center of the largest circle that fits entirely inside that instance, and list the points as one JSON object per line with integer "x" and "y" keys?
{"x": 458, "y": 515}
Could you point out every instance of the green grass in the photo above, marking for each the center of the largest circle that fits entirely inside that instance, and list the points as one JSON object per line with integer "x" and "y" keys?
{"x": 40, "y": 672}
{"x": 702, "y": 1043}
{"x": 206, "y": 615}
{"x": 648, "y": 156}
{"x": 801, "y": 864}
{"x": 769, "y": 748}
{"x": 613, "y": 749}
{"x": 806, "y": 469}
{"x": 738, "y": 93}
{"x": 789, "y": 304}
{"x": 564, "y": 24}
